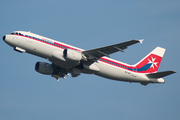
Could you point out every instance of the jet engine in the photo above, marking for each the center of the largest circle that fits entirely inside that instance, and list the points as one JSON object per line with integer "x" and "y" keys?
{"x": 72, "y": 55}
{"x": 44, "y": 68}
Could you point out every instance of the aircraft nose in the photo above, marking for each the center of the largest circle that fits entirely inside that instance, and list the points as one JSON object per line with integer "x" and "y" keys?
{"x": 4, "y": 37}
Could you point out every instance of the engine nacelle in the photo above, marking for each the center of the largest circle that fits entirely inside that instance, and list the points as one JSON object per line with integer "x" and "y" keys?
{"x": 44, "y": 68}
{"x": 72, "y": 55}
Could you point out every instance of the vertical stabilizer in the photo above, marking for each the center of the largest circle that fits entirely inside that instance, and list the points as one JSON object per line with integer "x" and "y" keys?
{"x": 151, "y": 62}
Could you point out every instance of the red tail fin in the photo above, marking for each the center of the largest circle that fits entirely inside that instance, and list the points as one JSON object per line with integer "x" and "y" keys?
{"x": 151, "y": 62}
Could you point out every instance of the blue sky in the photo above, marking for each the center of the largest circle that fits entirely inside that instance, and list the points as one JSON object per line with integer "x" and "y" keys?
{"x": 26, "y": 94}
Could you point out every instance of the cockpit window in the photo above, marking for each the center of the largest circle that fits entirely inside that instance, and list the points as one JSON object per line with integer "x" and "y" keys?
{"x": 16, "y": 33}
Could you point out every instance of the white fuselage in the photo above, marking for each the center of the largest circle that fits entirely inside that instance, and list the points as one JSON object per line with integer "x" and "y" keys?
{"x": 49, "y": 50}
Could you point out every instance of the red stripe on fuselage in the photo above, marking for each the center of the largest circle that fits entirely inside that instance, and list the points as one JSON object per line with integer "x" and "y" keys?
{"x": 66, "y": 46}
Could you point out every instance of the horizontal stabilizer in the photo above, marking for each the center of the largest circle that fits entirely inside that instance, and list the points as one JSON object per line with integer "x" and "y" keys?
{"x": 160, "y": 74}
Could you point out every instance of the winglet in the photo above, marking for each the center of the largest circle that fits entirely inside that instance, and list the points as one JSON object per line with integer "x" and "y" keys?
{"x": 141, "y": 41}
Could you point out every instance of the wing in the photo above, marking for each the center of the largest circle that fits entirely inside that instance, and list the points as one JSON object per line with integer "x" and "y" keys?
{"x": 95, "y": 54}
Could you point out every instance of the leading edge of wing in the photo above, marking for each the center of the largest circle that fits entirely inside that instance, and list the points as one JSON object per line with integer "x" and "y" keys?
{"x": 107, "y": 50}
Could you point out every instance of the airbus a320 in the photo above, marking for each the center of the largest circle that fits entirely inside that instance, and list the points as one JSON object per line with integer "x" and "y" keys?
{"x": 67, "y": 59}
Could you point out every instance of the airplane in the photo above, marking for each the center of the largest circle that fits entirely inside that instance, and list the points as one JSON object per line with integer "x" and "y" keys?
{"x": 67, "y": 59}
